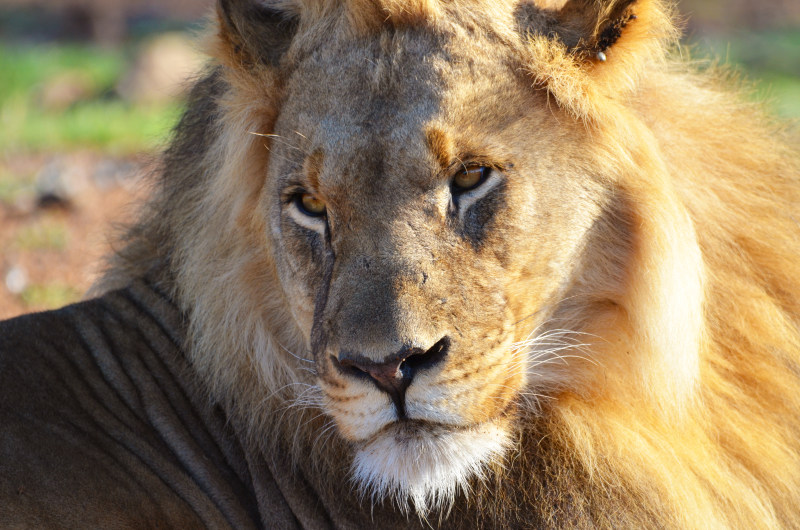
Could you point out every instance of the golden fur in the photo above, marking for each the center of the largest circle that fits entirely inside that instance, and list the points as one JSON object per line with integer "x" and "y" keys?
{"x": 645, "y": 368}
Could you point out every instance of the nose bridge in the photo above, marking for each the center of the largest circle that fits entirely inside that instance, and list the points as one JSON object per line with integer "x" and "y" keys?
{"x": 375, "y": 308}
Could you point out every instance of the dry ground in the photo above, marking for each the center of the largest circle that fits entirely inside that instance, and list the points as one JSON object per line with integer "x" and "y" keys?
{"x": 51, "y": 254}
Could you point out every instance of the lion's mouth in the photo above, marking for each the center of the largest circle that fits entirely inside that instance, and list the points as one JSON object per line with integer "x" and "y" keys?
{"x": 410, "y": 427}
{"x": 426, "y": 463}
{"x": 408, "y": 430}
{"x": 365, "y": 421}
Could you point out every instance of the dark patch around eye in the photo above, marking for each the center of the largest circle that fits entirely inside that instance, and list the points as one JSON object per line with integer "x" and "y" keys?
{"x": 315, "y": 244}
{"x": 479, "y": 218}
{"x": 305, "y": 243}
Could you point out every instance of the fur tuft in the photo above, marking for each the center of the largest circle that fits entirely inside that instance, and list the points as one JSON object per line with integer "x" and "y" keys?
{"x": 426, "y": 471}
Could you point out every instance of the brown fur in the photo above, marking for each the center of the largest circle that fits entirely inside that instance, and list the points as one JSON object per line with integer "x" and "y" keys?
{"x": 646, "y": 223}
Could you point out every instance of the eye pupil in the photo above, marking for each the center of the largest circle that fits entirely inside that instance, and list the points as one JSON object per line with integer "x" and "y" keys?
{"x": 310, "y": 205}
{"x": 469, "y": 177}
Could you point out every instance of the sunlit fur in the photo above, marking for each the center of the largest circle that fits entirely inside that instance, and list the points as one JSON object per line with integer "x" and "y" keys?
{"x": 432, "y": 471}
{"x": 677, "y": 404}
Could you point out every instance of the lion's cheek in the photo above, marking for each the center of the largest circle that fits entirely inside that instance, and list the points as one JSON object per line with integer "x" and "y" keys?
{"x": 469, "y": 397}
{"x": 358, "y": 413}
{"x": 301, "y": 308}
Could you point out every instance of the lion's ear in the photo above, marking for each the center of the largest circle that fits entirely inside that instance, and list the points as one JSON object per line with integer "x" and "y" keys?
{"x": 591, "y": 28}
{"x": 588, "y": 49}
{"x": 253, "y": 33}
{"x": 597, "y": 30}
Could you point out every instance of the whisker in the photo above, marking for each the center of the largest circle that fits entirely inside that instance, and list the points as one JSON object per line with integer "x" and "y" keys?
{"x": 277, "y": 138}
{"x": 287, "y": 350}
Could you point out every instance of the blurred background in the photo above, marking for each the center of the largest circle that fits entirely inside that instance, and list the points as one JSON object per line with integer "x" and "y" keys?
{"x": 89, "y": 90}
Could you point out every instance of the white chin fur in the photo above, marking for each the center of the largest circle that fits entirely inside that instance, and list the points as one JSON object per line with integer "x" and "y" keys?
{"x": 424, "y": 465}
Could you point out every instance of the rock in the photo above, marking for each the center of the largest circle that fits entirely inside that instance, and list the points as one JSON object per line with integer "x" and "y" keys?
{"x": 161, "y": 69}
{"x": 60, "y": 181}
{"x": 110, "y": 173}
{"x": 16, "y": 279}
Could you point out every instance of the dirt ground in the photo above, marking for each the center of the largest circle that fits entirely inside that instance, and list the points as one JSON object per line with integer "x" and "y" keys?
{"x": 53, "y": 240}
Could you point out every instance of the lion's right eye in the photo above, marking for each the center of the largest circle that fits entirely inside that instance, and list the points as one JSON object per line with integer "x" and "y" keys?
{"x": 470, "y": 177}
{"x": 309, "y": 204}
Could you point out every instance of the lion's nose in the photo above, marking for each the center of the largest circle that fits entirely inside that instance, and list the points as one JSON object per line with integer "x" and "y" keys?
{"x": 395, "y": 373}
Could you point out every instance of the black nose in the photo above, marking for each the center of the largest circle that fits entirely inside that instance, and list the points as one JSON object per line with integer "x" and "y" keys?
{"x": 395, "y": 373}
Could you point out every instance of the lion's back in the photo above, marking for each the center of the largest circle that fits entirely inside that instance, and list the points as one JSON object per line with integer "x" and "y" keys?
{"x": 101, "y": 429}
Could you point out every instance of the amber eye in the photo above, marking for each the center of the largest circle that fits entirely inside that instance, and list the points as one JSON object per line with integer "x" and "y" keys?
{"x": 310, "y": 205}
{"x": 470, "y": 177}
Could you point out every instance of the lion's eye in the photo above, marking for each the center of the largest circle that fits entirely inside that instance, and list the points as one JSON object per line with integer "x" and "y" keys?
{"x": 310, "y": 205}
{"x": 470, "y": 177}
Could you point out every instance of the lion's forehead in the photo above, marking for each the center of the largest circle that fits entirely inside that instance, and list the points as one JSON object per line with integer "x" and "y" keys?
{"x": 359, "y": 78}
{"x": 366, "y": 116}
{"x": 364, "y": 94}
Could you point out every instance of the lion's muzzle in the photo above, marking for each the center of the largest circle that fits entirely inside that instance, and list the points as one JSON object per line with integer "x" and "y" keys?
{"x": 393, "y": 374}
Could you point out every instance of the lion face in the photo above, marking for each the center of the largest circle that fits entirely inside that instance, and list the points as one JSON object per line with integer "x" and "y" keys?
{"x": 426, "y": 225}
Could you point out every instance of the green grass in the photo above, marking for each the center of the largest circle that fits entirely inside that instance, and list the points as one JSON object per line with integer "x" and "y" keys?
{"x": 12, "y": 186}
{"x": 44, "y": 235}
{"x": 769, "y": 58}
{"x": 25, "y": 66}
{"x": 100, "y": 120}
{"x": 112, "y": 126}
{"x": 104, "y": 122}
{"x": 51, "y": 295}
{"x": 782, "y": 94}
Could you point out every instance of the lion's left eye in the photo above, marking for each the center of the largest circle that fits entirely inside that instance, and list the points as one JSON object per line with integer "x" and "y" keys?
{"x": 470, "y": 177}
{"x": 310, "y": 205}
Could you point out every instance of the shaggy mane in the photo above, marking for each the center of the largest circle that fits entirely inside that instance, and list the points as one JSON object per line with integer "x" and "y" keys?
{"x": 704, "y": 430}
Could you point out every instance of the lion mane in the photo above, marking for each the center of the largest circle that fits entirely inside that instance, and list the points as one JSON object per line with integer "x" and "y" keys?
{"x": 676, "y": 401}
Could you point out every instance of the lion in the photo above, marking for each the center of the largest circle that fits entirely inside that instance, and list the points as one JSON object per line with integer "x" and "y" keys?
{"x": 509, "y": 264}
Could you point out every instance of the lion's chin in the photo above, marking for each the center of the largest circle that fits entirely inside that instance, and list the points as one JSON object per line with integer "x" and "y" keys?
{"x": 425, "y": 465}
